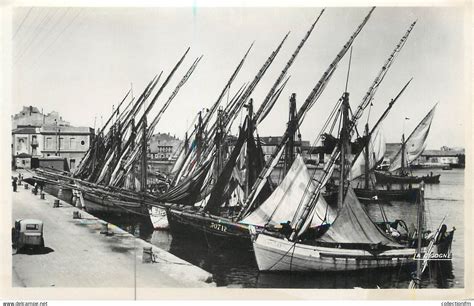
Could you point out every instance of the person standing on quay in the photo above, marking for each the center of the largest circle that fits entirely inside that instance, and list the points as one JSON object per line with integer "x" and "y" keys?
{"x": 14, "y": 184}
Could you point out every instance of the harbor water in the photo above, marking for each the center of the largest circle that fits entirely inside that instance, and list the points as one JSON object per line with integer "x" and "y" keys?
{"x": 237, "y": 267}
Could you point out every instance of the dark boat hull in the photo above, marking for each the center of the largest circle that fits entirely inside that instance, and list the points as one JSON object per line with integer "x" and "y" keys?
{"x": 216, "y": 231}
{"x": 387, "y": 195}
{"x": 368, "y": 195}
{"x": 383, "y": 178}
{"x": 95, "y": 203}
{"x": 59, "y": 192}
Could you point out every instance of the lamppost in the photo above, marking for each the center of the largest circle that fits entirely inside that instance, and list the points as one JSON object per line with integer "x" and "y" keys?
{"x": 58, "y": 139}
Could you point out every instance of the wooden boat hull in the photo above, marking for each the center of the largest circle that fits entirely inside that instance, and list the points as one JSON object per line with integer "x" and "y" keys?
{"x": 95, "y": 203}
{"x": 276, "y": 254}
{"x": 387, "y": 195}
{"x": 368, "y": 195}
{"x": 383, "y": 178}
{"x": 273, "y": 254}
{"x": 215, "y": 230}
{"x": 62, "y": 193}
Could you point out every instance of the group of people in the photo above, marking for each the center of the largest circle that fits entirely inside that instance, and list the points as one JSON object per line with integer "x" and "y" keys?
{"x": 16, "y": 181}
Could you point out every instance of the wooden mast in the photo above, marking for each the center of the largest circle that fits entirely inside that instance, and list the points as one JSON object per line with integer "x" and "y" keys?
{"x": 366, "y": 155}
{"x": 143, "y": 170}
{"x": 345, "y": 146}
{"x": 420, "y": 233}
{"x": 402, "y": 169}
{"x": 292, "y": 124}
{"x": 247, "y": 158}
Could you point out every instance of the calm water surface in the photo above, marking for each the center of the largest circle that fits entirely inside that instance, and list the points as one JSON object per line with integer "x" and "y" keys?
{"x": 237, "y": 268}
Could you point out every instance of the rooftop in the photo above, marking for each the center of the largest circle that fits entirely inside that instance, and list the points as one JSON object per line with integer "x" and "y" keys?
{"x": 67, "y": 130}
{"x": 25, "y": 130}
{"x": 442, "y": 152}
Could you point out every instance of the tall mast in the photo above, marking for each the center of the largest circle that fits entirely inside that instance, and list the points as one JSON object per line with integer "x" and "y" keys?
{"x": 402, "y": 169}
{"x": 143, "y": 159}
{"x": 290, "y": 146}
{"x": 345, "y": 146}
{"x": 247, "y": 158}
{"x": 380, "y": 77}
{"x": 308, "y": 103}
{"x": 267, "y": 102}
{"x": 366, "y": 155}
{"x": 420, "y": 231}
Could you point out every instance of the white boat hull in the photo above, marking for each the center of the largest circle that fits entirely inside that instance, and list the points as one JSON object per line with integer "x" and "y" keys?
{"x": 158, "y": 218}
{"x": 274, "y": 254}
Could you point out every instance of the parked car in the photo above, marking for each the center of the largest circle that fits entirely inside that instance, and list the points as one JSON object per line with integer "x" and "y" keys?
{"x": 28, "y": 233}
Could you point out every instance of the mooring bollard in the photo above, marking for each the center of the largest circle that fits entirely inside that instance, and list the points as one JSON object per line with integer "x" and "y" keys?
{"x": 105, "y": 228}
{"x": 56, "y": 203}
{"x": 76, "y": 215}
{"x": 42, "y": 196}
{"x": 26, "y": 186}
{"x": 147, "y": 256}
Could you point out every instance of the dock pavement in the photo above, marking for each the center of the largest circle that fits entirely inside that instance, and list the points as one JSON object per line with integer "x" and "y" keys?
{"x": 76, "y": 254}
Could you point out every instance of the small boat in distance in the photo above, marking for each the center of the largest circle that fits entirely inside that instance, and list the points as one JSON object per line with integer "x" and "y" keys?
{"x": 410, "y": 150}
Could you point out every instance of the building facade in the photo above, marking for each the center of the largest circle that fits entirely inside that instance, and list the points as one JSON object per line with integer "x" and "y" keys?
{"x": 34, "y": 140}
{"x": 66, "y": 141}
{"x": 164, "y": 147}
{"x": 162, "y": 152}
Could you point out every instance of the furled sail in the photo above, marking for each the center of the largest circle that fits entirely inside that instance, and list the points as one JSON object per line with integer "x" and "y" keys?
{"x": 353, "y": 225}
{"x": 282, "y": 204}
{"x": 376, "y": 154}
{"x": 415, "y": 144}
{"x": 215, "y": 199}
{"x": 187, "y": 193}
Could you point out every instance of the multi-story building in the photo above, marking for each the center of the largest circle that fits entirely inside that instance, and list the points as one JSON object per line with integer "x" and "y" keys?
{"x": 163, "y": 147}
{"x": 163, "y": 150}
{"x": 36, "y": 138}
{"x": 66, "y": 141}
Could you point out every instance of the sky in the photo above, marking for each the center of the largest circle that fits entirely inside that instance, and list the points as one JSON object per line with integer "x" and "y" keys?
{"x": 81, "y": 61}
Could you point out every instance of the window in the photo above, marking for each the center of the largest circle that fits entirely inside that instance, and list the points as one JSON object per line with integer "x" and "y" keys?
{"x": 21, "y": 145}
{"x": 32, "y": 227}
{"x": 63, "y": 144}
{"x": 49, "y": 142}
{"x": 72, "y": 143}
{"x": 83, "y": 142}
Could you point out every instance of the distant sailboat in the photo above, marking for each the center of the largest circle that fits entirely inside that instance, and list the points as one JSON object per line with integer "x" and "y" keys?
{"x": 410, "y": 150}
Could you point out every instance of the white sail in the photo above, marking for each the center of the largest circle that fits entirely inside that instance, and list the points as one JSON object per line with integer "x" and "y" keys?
{"x": 267, "y": 173}
{"x": 415, "y": 144}
{"x": 376, "y": 153}
{"x": 283, "y": 203}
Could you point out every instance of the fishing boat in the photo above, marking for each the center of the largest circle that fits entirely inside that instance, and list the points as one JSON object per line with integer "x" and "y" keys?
{"x": 410, "y": 150}
{"x": 112, "y": 177}
{"x": 187, "y": 175}
{"x": 216, "y": 216}
{"x": 318, "y": 239}
{"x": 216, "y": 221}
{"x": 384, "y": 178}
